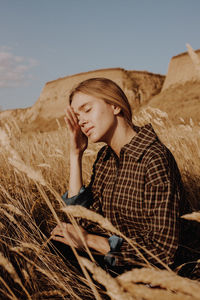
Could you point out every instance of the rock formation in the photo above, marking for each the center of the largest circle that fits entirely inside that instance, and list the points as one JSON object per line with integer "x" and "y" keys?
{"x": 182, "y": 68}
{"x": 139, "y": 87}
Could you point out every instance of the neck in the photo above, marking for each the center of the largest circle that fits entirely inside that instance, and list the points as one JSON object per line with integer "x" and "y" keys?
{"x": 121, "y": 136}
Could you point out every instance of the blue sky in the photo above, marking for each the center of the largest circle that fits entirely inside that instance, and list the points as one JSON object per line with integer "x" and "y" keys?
{"x": 42, "y": 40}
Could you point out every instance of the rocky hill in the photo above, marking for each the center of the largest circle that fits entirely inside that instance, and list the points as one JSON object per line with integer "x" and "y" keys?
{"x": 44, "y": 115}
{"x": 180, "y": 102}
{"x": 183, "y": 68}
{"x": 180, "y": 95}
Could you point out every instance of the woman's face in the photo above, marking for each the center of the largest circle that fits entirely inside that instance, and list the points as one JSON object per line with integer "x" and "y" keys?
{"x": 96, "y": 118}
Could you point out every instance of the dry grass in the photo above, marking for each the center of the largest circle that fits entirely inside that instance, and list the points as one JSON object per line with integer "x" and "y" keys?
{"x": 180, "y": 101}
{"x": 145, "y": 283}
{"x": 195, "y": 216}
{"x": 34, "y": 173}
{"x": 183, "y": 140}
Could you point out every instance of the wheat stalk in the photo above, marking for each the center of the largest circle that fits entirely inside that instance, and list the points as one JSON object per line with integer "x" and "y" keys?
{"x": 96, "y": 294}
{"x": 80, "y": 211}
{"x": 164, "y": 279}
{"x": 194, "y": 216}
{"x": 52, "y": 277}
{"x": 114, "y": 290}
{"x": 122, "y": 288}
{"x": 10, "y": 269}
{"x": 48, "y": 294}
{"x": 12, "y": 208}
{"x": 12, "y": 297}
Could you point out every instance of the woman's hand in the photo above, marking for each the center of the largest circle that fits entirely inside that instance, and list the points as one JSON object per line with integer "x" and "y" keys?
{"x": 78, "y": 140}
{"x": 69, "y": 235}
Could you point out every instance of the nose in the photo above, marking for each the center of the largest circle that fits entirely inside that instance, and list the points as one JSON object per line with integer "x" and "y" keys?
{"x": 82, "y": 122}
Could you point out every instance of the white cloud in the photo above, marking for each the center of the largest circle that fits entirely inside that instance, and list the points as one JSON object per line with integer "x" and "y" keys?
{"x": 14, "y": 70}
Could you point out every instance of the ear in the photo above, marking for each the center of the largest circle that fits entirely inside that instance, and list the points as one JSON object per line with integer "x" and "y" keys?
{"x": 116, "y": 109}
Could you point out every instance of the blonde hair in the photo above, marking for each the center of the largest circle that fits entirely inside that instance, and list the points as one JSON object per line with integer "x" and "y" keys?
{"x": 106, "y": 90}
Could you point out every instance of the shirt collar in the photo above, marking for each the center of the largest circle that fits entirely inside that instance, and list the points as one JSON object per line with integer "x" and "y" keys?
{"x": 140, "y": 142}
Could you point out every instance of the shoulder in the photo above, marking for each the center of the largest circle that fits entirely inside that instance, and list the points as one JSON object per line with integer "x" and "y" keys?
{"x": 157, "y": 151}
{"x": 160, "y": 163}
{"x": 101, "y": 155}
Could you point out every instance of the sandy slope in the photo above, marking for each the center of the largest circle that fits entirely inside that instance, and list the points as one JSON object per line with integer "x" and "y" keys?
{"x": 139, "y": 86}
{"x": 180, "y": 101}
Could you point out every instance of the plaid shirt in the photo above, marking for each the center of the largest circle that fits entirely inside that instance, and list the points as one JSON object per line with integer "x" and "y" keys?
{"x": 140, "y": 193}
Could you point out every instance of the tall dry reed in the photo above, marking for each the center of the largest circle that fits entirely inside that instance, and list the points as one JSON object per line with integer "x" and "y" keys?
{"x": 34, "y": 173}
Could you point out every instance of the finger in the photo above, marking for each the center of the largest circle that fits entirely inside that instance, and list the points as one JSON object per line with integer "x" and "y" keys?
{"x": 72, "y": 113}
{"x": 61, "y": 229}
{"x": 64, "y": 240}
{"x": 71, "y": 116}
{"x": 71, "y": 124}
{"x": 57, "y": 230}
{"x": 54, "y": 230}
{"x": 66, "y": 120}
{"x": 58, "y": 238}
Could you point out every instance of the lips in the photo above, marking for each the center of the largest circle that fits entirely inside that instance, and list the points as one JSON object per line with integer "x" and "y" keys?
{"x": 87, "y": 131}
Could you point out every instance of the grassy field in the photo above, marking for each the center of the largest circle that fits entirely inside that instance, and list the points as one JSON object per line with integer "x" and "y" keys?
{"x": 180, "y": 101}
{"x": 34, "y": 173}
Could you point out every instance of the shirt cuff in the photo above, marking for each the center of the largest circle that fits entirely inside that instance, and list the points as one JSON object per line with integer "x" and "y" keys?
{"x": 115, "y": 243}
{"x": 83, "y": 198}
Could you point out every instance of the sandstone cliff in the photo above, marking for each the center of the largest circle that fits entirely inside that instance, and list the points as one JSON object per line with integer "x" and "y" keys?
{"x": 139, "y": 86}
{"x": 183, "y": 68}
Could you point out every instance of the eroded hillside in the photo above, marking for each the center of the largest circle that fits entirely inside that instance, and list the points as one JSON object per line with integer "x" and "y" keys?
{"x": 48, "y": 110}
{"x": 181, "y": 102}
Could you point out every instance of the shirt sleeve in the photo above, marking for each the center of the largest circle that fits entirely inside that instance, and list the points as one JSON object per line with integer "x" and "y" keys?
{"x": 86, "y": 198}
{"x": 115, "y": 243}
{"x": 83, "y": 198}
{"x": 89, "y": 198}
{"x": 161, "y": 206}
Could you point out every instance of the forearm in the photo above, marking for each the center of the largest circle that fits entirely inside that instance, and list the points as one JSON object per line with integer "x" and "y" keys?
{"x": 75, "y": 179}
{"x": 98, "y": 243}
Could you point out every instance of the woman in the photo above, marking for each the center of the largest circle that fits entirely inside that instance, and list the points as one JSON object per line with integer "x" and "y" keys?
{"x": 135, "y": 181}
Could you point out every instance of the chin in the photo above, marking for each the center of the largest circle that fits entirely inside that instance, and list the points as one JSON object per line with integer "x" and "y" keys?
{"x": 94, "y": 139}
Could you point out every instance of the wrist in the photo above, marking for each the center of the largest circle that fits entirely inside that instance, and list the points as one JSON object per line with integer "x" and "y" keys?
{"x": 76, "y": 155}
